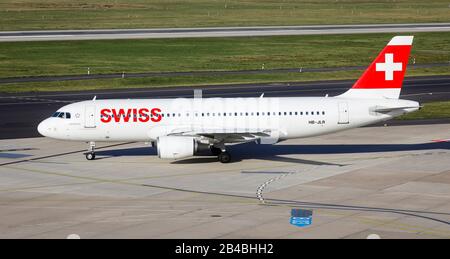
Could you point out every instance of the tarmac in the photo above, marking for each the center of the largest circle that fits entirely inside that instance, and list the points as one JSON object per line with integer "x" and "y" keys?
{"x": 390, "y": 181}
{"x": 95, "y": 34}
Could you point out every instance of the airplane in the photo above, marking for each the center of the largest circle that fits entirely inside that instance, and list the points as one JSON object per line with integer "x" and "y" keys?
{"x": 182, "y": 127}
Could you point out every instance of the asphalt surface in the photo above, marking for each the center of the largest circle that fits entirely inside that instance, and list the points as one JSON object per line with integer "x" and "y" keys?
{"x": 27, "y": 79}
{"x": 21, "y": 113}
{"x": 11, "y": 36}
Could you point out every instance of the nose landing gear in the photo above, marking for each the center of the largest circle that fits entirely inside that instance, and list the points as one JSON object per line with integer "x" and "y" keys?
{"x": 90, "y": 155}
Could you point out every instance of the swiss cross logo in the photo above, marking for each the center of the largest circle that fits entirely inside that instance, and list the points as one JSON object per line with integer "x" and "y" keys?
{"x": 389, "y": 66}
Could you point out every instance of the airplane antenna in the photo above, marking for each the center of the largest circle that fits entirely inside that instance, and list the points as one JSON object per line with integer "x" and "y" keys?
{"x": 95, "y": 97}
{"x": 262, "y": 95}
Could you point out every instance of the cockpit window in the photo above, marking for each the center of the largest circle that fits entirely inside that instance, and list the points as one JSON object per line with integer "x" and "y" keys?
{"x": 62, "y": 115}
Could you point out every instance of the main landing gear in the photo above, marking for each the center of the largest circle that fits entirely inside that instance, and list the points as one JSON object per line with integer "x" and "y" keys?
{"x": 222, "y": 155}
{"x": 90, "y": 155}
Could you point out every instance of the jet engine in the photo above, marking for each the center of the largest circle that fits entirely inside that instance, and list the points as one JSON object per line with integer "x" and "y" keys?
{"x": 173, "y": 147}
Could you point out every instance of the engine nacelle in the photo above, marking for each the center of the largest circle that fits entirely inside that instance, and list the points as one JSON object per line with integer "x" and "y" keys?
{"x": 173, "y": 147}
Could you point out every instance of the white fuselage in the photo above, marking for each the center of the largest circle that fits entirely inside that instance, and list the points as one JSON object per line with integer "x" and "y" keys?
{"x": 284, "y": 117}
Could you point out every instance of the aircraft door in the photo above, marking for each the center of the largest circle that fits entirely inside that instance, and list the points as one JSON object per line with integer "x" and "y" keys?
{"x": 343, "y": 113}
{"x": 89, "y": 116}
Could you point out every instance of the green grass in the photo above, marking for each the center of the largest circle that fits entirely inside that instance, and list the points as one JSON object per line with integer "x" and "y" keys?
{"x": 77, "y": 14}
{"x": 130, "y": 56}
{"x": 194, "y": 54}
{"x": 203, "y": 81}
{"x": 433, "y": 110}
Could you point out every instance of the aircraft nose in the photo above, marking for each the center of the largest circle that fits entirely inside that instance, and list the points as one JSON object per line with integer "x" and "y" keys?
{"x": 43, "y": 128}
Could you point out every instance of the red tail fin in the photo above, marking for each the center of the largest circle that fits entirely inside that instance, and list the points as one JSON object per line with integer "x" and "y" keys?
{"x": 384, "y": 77}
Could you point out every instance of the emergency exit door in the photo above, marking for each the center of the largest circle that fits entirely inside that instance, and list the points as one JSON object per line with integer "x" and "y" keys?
{"x": 343, "y": 113}
{"x": 89, "y": 116}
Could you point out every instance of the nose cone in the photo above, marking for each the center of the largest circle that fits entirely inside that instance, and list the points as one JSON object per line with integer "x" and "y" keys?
{"x": 43, "y": 128}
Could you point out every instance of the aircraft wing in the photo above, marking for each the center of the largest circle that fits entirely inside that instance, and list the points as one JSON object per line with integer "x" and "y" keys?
{"x": 217, "y": 135}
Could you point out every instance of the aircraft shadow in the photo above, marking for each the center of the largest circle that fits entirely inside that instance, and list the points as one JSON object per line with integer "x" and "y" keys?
{"x": 276, "y": 152}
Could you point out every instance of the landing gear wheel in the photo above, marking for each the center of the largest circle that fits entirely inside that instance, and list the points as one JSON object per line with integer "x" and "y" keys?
{"x": 215, "y": 151}
{"x": 224, "y": 157}
{"x": 90, "y": 156}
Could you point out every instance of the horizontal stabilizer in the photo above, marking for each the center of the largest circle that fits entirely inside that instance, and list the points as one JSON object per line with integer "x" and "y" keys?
{"x": 391, "y": 109}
